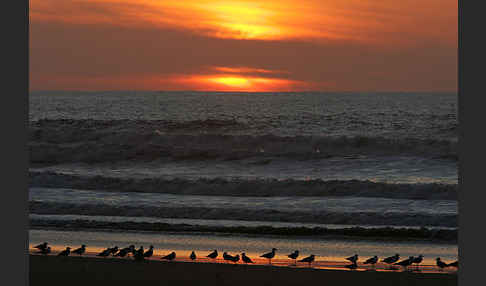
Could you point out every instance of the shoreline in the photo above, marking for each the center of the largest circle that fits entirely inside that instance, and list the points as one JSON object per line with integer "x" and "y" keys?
{"x": 53, "y": 270}
{"x": 351, "y": 233}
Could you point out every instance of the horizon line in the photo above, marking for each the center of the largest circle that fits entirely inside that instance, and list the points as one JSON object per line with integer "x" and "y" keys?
{"x": 235, "y": 91}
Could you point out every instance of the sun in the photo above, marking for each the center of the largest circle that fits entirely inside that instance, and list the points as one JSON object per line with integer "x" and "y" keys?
{"x": 238, "y": 82}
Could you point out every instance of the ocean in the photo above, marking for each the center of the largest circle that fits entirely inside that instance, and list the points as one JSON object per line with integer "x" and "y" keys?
{"x": 265, "y": 162}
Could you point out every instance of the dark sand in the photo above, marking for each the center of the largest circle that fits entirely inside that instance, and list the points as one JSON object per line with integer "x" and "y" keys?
{"x": 90, "y": 271}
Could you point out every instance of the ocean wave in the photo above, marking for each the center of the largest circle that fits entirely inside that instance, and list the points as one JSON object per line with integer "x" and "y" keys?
{"x": 378, "y": 233}
{"x": 254, "y": 188}
{"x": 90, "y": 141}
{"x": 320, "y": 217}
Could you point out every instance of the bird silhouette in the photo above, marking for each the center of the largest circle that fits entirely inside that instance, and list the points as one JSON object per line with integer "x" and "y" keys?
{"x": 294, "y": 256}
{"x": 114, "y": 250}
{"x": 80, "y": 250}
{"x": 226, "y": 256}
{"x": 235, "y": 258}
{"x": 41, "y": 246}
{"x": 193, "y": 255}
{"x": 417, "y": 260}
{"x": 245, "y": 258}
{"x": 65, "y": 252}
{"x": 371, "y": 261}
{"x": 406, "y": 262}
{"x": 392, "y": 259}
{"x": 170, "y": 257}
{"x": 104, "y": 253}
{"x": 149, "y": 252}
{"x": 138, "y": 255}
{"x": 124, "y": 251}
{"x": 308, "y": 259}
{"x": 213, "y": 254}
{"x": 353, "y": 258}
{"x": 441, "y": 264}
{"x": 454, "y": 264}
{"x": 269, "y": 255}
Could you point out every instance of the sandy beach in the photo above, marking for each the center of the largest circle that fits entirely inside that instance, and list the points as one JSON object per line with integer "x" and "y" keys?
{"x": 53, "y": 270}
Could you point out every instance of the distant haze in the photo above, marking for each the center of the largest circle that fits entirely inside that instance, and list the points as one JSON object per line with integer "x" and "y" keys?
{"x": 246, "y": 45}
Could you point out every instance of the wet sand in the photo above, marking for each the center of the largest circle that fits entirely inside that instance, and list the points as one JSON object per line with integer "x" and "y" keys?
{"x": 54, "y": 270}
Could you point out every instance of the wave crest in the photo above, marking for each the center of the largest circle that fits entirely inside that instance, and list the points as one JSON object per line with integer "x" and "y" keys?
{"x": 254, "y": 188}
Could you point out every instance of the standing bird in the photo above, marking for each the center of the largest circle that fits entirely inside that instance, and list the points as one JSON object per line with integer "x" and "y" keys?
{"x": 80, "y": 250}
{"x": 124, "y": 251}
{"x": 392, "y": 259}
{"x": 405, "y": 263}
{"x": 104, "y": 253}
{"x": 138, "y": 255}
{"x": 114, "y": 250}
{"x": 149, "y": 252}
{"x": 65, "y": 252}
{"x": 235, "y": 258}
{"x": 45, "y": 251}
{"x": 417, "y": 260}
{"x": 226, "y": 256}
{"x": 371, "y": 261}
{"x": 308, "y": 259}
{"x": 41, "y": 246}
{"x": 170, "y": 257}
{"x": 441, "y": 264}
{"x": 213, "y": 254}
{"x": 245, "y": 258}
{"x": 294, "y": 256}
{"x": 193, "y": 255}
{"x": 454, "y": 264}
{"x": 353, "y": 258}
{"x": 269, "y": 255}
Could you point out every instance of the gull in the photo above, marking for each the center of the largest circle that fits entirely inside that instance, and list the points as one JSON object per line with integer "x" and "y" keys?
{"x": 353, "y": 258}
{"x": 308, "y": 259}
{"x": 126, "y": 250}
{"x": 405, "y": 263}
{"x": 193, "y": 255}
{"x": 294, "y": 256}
{"x": 245, "y": 258}
{"x": 149, "y": 252}
{"x": 269, "y": 255}
{"x": 138, "y": 255}
{"x": 454, "y": 264}
{"x": 235, "y": 258}
{"x": 41, "y": 246}
{"x": 104, "y": 253}
{"x": 392, "y": 259}
{"x": 80, "y": 250}
{"x": 170, "y": 257}
{"x": 418, "y": 260}
{"x": 114, "y": 250}
{"x": 45, "y": 251}
{"x": 371, "y": 260}
{"x": 213, "y": 254}
{"x": 441, "y": 264}
{"x": 65, "y": 252}
{"x": 226, "y": 256}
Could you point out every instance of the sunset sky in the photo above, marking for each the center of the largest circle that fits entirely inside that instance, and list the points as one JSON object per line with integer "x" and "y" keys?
{"x": 244, "y": 45}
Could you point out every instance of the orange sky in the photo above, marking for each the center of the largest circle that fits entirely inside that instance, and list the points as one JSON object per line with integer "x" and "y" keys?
{"x": 244, "y": 45}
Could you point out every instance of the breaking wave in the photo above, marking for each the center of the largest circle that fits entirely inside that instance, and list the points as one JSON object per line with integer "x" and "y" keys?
{"x": 90, "y": 141}
{"x": 320, "y": 217}
{"x": 253, "y": 188}
{"x": 378, "y": 233}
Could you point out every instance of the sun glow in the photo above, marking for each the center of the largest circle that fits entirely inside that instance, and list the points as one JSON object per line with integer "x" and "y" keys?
{"x": 239, "y": 82}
